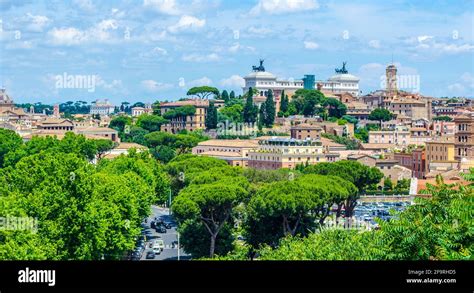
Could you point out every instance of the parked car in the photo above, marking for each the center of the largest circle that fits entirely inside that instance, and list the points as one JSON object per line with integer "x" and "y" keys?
{"x": 157, "y": 248}
{"x": 136, "y": 255}
{"x": 160, "y": 229}
{"x": 150, "y": 254}
{"x": 160, "y": 243}
{"x": 167, "y": 225}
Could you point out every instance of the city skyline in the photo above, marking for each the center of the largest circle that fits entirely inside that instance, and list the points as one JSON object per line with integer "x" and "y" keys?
{"x": 155, "y": 50}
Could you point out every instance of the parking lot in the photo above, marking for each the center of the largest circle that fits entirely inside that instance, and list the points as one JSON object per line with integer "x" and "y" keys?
{"x": 368, "y": 211}
{"x": 170, "y": 238}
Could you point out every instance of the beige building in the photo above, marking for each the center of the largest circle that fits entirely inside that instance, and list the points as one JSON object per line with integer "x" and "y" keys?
{"x": 388, "y": 167}
{"x": 306, "y": 131}
{"x": 102, "y": 132}
{"x": 235, "y": 151}
{"x": 464, "y": 140}
{"x": 123, "y": 148}
{"x": 398, "y": 137}
{"x": 419, "y": 135}
{"x": 415, "y": 107}
{"x": 189, "y": 123}
{"x": 440, "y": 154}
{"x": 443, "y": 128}
{"x": 55, "y": 125}
{"x": 276, "y": 153}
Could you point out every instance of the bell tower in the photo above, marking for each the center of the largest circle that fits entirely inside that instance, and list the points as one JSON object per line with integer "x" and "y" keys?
{"x": 391, "y": 79}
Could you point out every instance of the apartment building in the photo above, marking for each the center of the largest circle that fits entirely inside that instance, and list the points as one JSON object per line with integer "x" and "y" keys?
{"x": 234, "y": 151}
{"x": 276, "y": 153}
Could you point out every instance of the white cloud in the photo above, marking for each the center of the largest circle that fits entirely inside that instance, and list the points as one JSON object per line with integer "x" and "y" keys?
{"x": 283, "y": 6}
{"x": 429, "y": 44}
{"x": 19, "y": 45}
{"x": 424, "y": 38}
{"x": 259, "y": 31}
{"x": 235, "y": 81}
{"x": 200, "y": 82}
{"x": 201, "y": 58}
{"x": 187, "y": 23}
{"x": 101, "y": 32}
{"x": 453, "y": 48}
{"x": 67, "y": 36}
{"x": 154, "y": 86}
{"x": 311, "y": 45}
{"x": 35, "y": 23}
{"x": 113, "y": 86}
{"x": 374, "y": 44}
{"x": 159, "y": 51}
{"x": 162, "y": 6}
{"x": 238, "y": 47}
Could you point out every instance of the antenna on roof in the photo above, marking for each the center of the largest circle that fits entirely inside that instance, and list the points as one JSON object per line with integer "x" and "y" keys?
{"x": 392, "y": 58}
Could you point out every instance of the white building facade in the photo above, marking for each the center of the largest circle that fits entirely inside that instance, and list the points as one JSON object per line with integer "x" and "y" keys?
{"x": 102, "y": 107}
{"x": 263, "y": 81}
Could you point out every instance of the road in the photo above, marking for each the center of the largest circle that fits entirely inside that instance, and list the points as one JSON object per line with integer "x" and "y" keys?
{"x": 169, "y": 253}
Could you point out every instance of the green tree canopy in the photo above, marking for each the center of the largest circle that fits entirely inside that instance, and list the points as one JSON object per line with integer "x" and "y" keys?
{"x": 225, "y": 96}
{"x": 151, "y": 122}
{"x": 9, "y": 141}
{"x": 360, "y": 175}
{"x": 232, "y": 113}
{"x": 211, "y": 116}
{"x": 203, "y": 92}
{"x": 335, "y": 108}
{"x": 103, "y": 146}
{"x": 250, "y": 110}
{"x": 118, "y": 123}
{"x": 182, "y": 111}
{"x": 210, "y": 204}
{"x": 380, "y": 114}
{"x": 443, "y": 118}
{"x": 269, "y": 110}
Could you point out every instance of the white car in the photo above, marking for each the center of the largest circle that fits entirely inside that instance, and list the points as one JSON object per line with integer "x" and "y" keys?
{"x": 158, "y": 246}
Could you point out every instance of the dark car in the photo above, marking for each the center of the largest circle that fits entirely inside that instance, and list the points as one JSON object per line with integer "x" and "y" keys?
{"x": 166, "y": 225}
{"x": 160, "y": 229}
{"x": 136, "y": 255}
{"x": 150, "y": 254}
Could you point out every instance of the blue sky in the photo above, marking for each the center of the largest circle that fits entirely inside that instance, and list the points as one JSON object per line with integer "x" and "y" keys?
{"x": 147, "y": 50}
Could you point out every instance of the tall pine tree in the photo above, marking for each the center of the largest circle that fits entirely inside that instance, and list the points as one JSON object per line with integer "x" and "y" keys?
{"x": 261, "y": 116}
{"x": 250, "y": 110}
{"x": 232, "y": 95}
{"x": 211, "y": 116}
{"x": 225, "y": 96}
{"x": 284, "y": 102}
{"x": 270, "y": 111}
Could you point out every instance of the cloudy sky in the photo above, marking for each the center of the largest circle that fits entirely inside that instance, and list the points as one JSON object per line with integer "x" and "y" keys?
{"x": 147, "y": 50}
